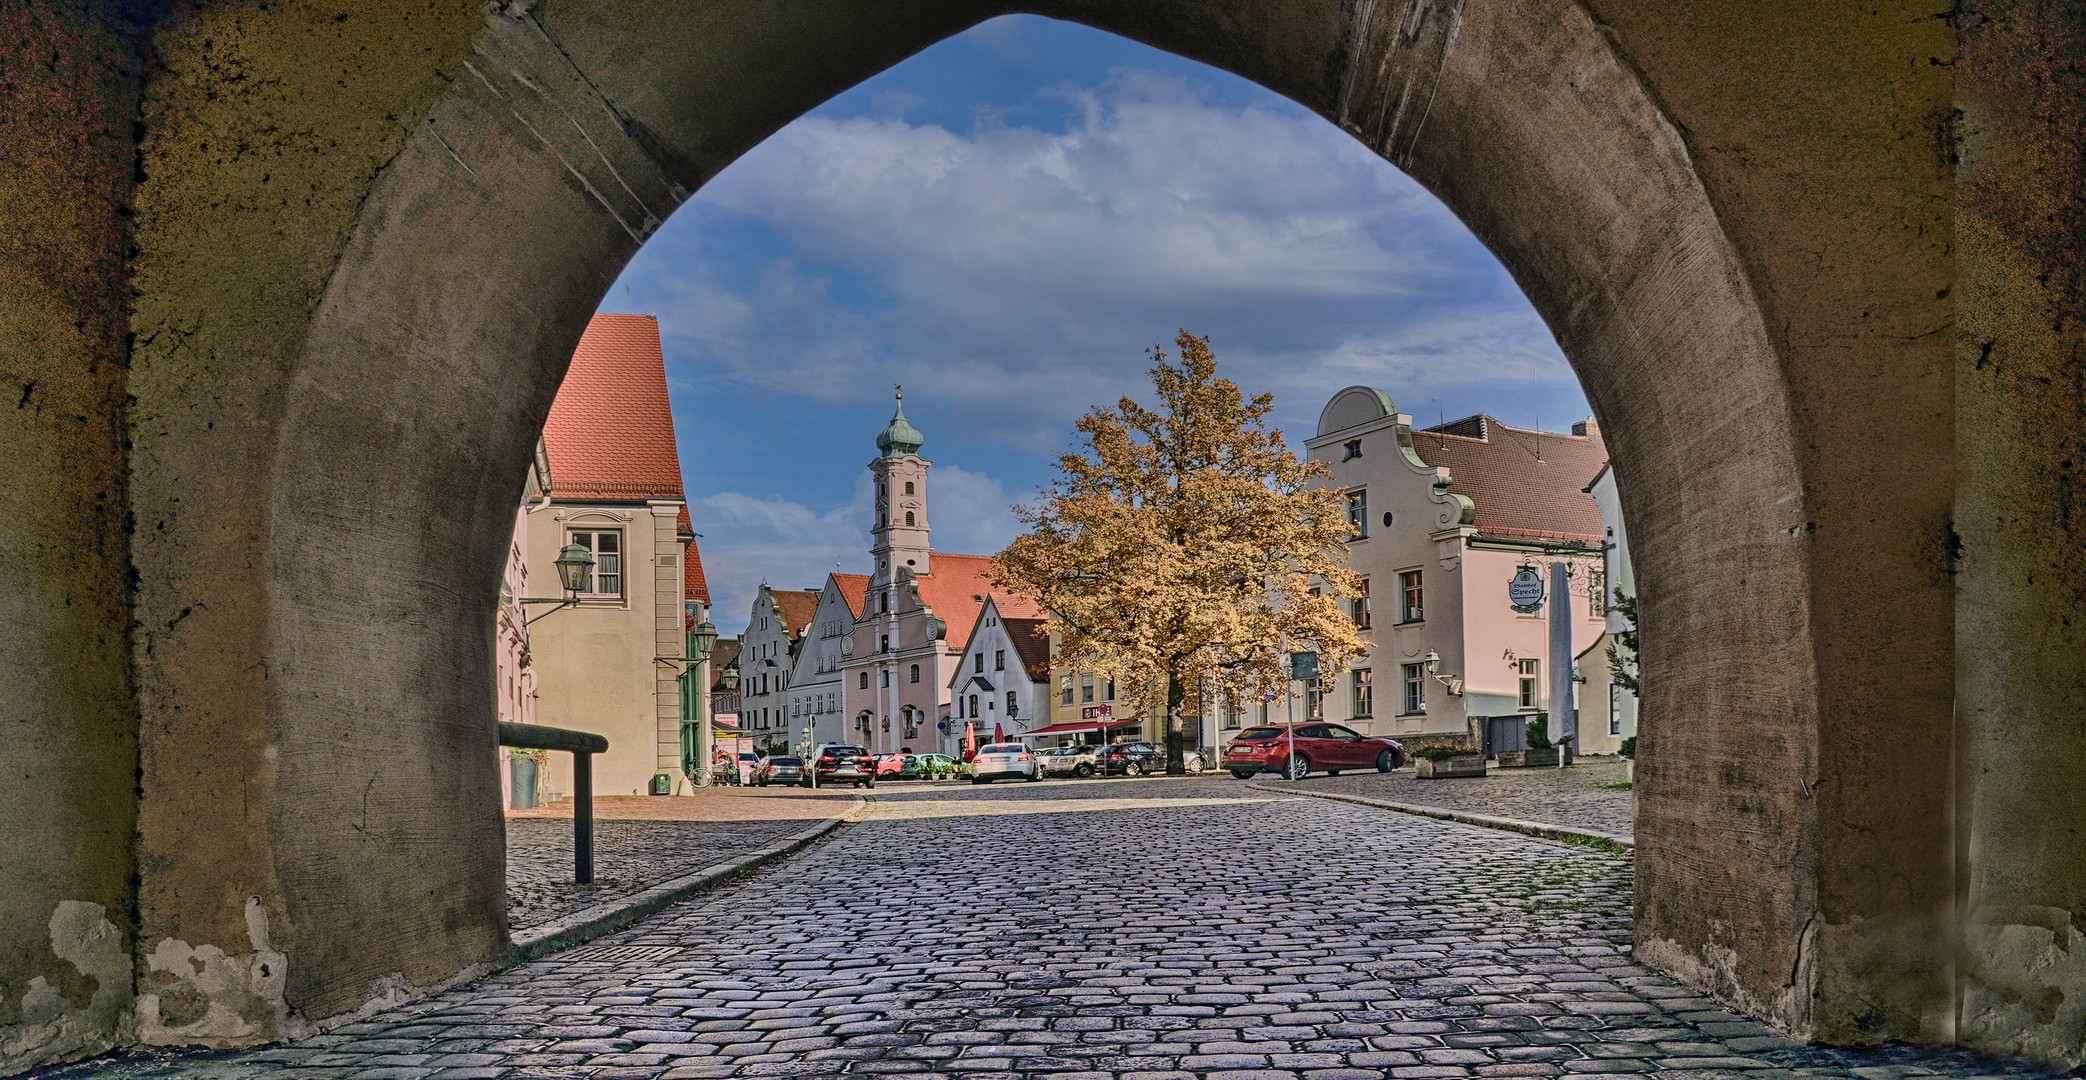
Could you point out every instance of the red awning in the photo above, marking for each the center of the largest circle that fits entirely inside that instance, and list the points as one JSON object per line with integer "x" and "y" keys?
{"x": 1081, "y": 727}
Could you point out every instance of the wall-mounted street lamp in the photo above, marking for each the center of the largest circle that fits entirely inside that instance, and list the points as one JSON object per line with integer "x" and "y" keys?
{"x": 1432, "y": 661}
{"x": 575, "y": 565}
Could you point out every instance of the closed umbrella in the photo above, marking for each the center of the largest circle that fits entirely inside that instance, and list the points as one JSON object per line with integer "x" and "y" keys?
{"x": 970, "y": 741}
{"x": 999, "y": 734}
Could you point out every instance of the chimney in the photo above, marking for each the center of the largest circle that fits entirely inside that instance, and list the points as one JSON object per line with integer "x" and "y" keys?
{"x": 1588, "y": 429}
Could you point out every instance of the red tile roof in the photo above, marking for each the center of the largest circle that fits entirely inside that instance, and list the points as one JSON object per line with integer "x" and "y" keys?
{"x": 697, "y": 587}
{"x": 1527, "y": 485}
{"x": 956, "y": 590}
{"x": 854, "y": 588}
{"x": 795, "y": 609}
{"x": 1033, "y": 645}
{"x": 611, "y": 432}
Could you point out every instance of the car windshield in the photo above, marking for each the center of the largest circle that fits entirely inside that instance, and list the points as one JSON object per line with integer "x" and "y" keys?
{"x": 1262, "y": 734}
{"x": 1005, "y": 749}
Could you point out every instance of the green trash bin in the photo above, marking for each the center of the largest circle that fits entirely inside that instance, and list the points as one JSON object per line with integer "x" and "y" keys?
{"x": 662, "y": 784}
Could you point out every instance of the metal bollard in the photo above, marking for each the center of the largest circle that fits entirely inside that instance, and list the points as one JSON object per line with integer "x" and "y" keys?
{"x": 582, "y": 745}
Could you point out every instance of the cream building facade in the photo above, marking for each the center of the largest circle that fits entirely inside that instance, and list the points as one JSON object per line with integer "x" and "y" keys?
{"x": 616, "y": 492}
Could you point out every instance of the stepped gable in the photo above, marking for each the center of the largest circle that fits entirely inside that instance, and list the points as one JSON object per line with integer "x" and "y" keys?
{"x": 854, "y": 589}
{"x": 610, "y": 433}
{"x": 957, "y": 589}
{"x": 1528, "y": 485}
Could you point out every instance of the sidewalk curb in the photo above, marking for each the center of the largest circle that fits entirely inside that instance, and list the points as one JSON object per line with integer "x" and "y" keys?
{"x": 590, "y": 923}
{"x": 1532, "y": 828}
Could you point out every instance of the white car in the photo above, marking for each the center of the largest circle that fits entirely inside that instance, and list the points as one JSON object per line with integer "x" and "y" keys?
{"x": 997, "y": 761}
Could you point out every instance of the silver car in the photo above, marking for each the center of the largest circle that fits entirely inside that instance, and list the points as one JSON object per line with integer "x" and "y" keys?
{"x": 1005, "y": 761}
{"x": 1069, "y": 761}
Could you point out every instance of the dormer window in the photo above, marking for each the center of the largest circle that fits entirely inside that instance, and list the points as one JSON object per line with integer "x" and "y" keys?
{"x": 1354, "y": 449}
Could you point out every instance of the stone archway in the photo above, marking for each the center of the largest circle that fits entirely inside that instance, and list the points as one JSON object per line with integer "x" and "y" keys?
{"x": 366, "y": 241}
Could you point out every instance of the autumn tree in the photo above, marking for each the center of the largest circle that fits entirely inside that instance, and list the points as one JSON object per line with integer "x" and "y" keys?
{"x": 1179, "y": 547}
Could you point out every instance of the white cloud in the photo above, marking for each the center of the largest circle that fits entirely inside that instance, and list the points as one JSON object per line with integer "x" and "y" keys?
{"x": 1013, "y": 264}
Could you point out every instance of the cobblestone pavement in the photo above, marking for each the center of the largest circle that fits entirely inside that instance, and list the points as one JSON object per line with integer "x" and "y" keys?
{"x": 637, "y": 844}
{"x": 1569, "y": 796}
{"x": 1162, "y": 930}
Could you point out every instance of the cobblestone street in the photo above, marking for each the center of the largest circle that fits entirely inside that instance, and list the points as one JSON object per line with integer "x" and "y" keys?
{"x": 1141, "y": 930}
{"x": 640, "y": 841}
{"x": 1574, "y": 796}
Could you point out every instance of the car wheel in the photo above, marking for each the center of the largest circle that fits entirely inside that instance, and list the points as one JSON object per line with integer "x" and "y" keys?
{"x": 1083, "y": 771}
{"x": 1387, "y": 761}
{"x": 869, "y": 783}
{"x": 1035, "y": 776}
{"x": 1296, "y": 768}
{"x": 1242, "y": 774}
{"x": 1131, "y": 768}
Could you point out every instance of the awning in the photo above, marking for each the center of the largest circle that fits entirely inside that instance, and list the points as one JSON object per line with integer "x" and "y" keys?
{"x": 1082, "y": 726}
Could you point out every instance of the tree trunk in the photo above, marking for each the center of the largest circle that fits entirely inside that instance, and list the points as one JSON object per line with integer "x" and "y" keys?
{"x": 1176, "y": 758}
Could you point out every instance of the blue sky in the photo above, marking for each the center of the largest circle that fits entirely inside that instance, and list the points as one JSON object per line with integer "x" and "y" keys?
{"x": 1004, "y": 223}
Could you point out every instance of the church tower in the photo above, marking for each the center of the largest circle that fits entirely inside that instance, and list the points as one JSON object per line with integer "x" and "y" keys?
{"x": 901, "y": 500}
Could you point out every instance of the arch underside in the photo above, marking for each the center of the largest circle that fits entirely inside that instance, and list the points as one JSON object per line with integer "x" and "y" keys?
{"x": 396, "y": 423}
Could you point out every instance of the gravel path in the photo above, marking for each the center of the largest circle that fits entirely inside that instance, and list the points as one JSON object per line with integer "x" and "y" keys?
{"x": 1159, "y": 930}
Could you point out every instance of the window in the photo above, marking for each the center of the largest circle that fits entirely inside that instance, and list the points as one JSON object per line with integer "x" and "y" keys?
{"x": 1354, "y": 449}
{"x": 1010, "y": 703}
{"x": 912, "y": 674}
{"x": 1232, "y": 715}
{"x": 1108, "y": 689}
{"x": 1531, "y": 683}
{"x": 883, "y": 601}
{"x": 1314, "y": 700}
{"x": 1086, "y": 689}
{"x": 974, "y": 704}
{"x": 606, "y": 576}
{"x": 1411, "y": 598}
{"x": 1597, "y": 593}
{"x": 886, "y": 647}
{"x": 1358, "y": 513}
{"x": 977, "y": 663}
{"x": 1364, "y": 693}
{"x": 883, "y": 678}
{"x": 1614, "y": 709}
{"x": 1413, "y": 687}
{"x": 999, "y": 659}
{"x": 865, "y": 681}
{"x": 1361, "y": 607}
{"x": 908, "y": 518}
{"x": 1064, "y": 690}
{"x": 908, "y": 491}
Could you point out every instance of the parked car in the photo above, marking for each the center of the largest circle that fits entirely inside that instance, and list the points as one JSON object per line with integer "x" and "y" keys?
{"x": 1130, "y": 759}
{"x": 1069, "y": 761}
{"x": 997, "y": 761}
{"x": 840, "y": 763}
{"x": 780, "y": 770}
{"x": 1318, "y": 747}
{"x": 932, "y": 765}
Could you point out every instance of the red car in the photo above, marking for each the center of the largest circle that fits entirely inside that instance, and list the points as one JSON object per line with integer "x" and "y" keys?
{"x": 1318, "y": 747}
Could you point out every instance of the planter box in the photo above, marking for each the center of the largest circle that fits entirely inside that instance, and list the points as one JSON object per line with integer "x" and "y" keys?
{"x": 522, "y": 774}
{"x": 1532, "y": 759}
{"x": 1467, "y": 765}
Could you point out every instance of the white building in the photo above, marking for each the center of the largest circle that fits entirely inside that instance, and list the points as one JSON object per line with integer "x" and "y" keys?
{"x": 775, "y": 630}
{"x": 815, "y": 714}
{"x": 1607, "y": 712}
{"x": 1001, "y": 681}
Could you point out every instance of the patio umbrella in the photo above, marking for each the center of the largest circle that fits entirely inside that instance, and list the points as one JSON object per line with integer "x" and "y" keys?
{"x": 999, "y": 734}
{"x": 970, "y": 741}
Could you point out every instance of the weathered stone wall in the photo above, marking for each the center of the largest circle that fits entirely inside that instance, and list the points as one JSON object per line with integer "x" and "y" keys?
{"x": 2021, "y": 513}
{"x": 68, "y": 749}
{"x": 366, "y": 236}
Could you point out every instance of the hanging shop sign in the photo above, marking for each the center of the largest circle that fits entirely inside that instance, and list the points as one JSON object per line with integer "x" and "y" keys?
{"x": 1526, "y": 590}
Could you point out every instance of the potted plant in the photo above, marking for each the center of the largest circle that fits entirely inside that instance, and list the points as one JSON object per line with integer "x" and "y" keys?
{"x": 1540, "y": 750}
{"x": 1629, "y": 759}
{"x": 1439, "y": 761}
{"x": 524, "y": 771}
